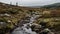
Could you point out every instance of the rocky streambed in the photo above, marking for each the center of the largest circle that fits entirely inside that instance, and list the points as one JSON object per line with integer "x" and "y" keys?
{"x": 31, "y": 28}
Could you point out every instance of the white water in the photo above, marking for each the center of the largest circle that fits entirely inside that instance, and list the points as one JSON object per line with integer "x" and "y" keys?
{"x": 23, "y": 29}
{"x": 33, "y": 18}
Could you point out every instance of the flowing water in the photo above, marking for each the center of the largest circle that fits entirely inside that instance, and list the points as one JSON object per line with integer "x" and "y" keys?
{"x": 24, "y": 29}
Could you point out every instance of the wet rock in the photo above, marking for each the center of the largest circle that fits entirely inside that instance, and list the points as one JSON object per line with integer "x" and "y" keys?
{"x": 5, "y": 14}
{"x": 9, "y": 21}
{"x": 3, "y": 24}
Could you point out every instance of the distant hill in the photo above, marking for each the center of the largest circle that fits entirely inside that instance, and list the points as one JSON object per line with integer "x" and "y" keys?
{"x": 55, "y": 5}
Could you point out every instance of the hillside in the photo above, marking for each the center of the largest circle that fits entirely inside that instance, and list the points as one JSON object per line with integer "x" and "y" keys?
{"x": 55, "y": 5}
{"x": 12, "y": 15}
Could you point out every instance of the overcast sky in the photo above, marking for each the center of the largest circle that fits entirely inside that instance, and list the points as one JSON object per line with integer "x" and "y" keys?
{"x": 31, "y": 2}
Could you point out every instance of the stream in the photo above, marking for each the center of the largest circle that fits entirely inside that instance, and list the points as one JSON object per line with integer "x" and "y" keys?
{"x": 25, "y": 29}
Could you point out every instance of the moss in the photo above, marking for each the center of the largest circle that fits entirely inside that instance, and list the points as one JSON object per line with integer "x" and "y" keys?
{"x": 57, "y": 27}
